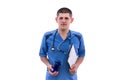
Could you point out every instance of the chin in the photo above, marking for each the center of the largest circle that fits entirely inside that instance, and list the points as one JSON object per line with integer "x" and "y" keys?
{"x": 63, "y": 29}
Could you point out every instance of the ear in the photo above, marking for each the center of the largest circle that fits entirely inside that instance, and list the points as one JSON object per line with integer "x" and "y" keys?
{"x": 56, "y": 19}
{"x": 72, "y": 19}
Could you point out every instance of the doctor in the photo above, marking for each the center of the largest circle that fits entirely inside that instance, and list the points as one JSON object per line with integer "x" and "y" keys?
{"x": 56, "y": 45}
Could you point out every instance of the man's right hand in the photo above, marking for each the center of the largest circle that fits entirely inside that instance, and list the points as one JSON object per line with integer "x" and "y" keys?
{"x": 55, "y": 73}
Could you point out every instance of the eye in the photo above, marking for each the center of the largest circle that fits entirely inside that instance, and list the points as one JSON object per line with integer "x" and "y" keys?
{"x": 61, "y": 18}
{"x": 66, "y": 18}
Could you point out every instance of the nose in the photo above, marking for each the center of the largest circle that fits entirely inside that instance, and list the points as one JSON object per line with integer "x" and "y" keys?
{"x": 63, "y": 20}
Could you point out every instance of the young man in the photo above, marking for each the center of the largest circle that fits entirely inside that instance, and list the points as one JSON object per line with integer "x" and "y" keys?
{"x": 56, "y": 45}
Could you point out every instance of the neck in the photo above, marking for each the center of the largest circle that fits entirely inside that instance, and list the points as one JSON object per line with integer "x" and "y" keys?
{"x": 63, "y": 33}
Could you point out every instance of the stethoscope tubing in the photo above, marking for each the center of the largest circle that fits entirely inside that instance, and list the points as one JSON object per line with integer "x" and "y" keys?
{"x": 58, "y": 47}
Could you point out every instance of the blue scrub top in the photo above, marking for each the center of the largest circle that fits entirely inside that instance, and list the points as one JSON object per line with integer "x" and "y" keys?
{"x": 61, "y": 52}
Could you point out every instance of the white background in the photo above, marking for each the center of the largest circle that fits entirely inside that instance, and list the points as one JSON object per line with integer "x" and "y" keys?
{"x": 23, "y": 23}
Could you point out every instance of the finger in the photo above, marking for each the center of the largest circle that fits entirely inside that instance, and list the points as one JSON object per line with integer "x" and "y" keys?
{"x": 53, "y": 73}
{"x": 72, "y": 66}
{"x": 50, "y": 68}
{"x": 72, "y": 71}
{"x": 56, "y": 73}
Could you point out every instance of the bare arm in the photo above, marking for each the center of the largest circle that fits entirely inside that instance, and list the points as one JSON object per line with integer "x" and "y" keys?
{"x": 79, "y": 61}
{"x": 75, "y": 66}
{"x": 45, "y": 61}
{"x": 49, "y": 66}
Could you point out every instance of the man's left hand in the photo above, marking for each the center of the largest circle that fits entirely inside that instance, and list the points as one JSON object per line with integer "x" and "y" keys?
{"x": 73, "y": 69}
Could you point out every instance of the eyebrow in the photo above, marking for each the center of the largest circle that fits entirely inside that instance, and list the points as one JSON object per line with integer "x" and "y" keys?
{"x": 63, "y": 17}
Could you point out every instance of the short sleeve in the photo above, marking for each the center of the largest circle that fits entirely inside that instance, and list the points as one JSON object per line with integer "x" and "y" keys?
{"x": 81, "y": 51}
{"x": 43, "y": 47}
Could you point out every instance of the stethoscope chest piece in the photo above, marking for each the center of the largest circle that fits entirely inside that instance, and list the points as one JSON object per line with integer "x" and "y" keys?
{"x": 52, "y": 48}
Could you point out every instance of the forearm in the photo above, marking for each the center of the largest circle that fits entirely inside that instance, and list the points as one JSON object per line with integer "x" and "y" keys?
{"x": 75, "y": 66}
{"x": 45, "y": 61}
{"x": 79, "y": 61}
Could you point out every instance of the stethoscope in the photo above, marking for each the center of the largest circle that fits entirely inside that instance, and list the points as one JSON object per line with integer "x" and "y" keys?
{"x": 58, "y": 47}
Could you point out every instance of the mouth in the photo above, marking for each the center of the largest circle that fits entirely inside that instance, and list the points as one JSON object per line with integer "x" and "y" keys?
{"x": 63, "y": 24}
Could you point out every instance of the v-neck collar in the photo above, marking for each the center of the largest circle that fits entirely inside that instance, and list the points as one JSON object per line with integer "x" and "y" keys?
{"x": 59, "y": 38}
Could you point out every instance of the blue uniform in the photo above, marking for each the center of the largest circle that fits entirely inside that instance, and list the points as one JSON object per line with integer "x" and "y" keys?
{"x": 61, "y": 52}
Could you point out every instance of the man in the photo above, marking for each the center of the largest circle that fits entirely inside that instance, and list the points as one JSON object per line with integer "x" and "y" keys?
{"x": 56, "y": 46}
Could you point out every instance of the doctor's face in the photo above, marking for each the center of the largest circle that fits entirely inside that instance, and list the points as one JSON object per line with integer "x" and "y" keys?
{"x": 64, "y": 20}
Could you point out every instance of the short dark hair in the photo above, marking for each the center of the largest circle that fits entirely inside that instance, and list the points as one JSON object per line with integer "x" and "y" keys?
{"x": 64, "y": 10}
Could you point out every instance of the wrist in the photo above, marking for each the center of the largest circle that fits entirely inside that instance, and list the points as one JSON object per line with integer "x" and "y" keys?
{"x": 49, "y": 65}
